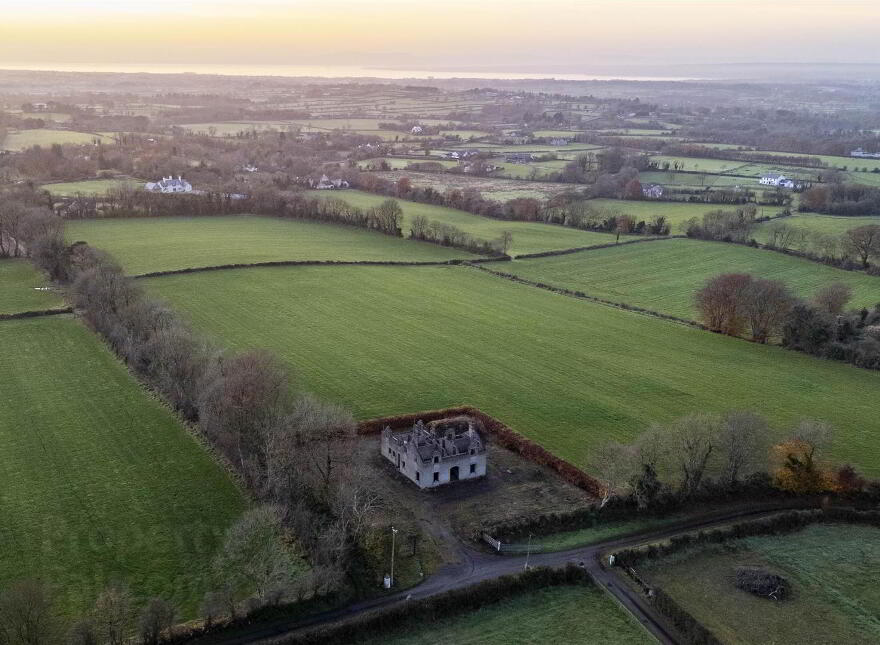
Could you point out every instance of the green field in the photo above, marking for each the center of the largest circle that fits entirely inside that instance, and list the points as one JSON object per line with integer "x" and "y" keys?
{"x": 827, "y": 224}
{"x": 833, "y": 571}
{"x": 22, "y": 139}
{"x": 664, "y": 275}
{"x": 91, "y": 186}
{"x": 675, "y": 212}
{"x": 99, "y": 480}
{"x": 144, "y": 245}
{"x": 556, "y": 614}
{"x": 528, "y": 237}
{"x": 568, "y": 373}
{"x": 18, "y": 288}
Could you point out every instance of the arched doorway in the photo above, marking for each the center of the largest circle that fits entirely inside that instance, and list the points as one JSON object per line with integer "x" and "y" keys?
{"x": 453, "y": 474}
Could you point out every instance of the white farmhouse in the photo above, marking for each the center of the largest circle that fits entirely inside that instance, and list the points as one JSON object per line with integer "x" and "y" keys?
{"x": 863, "y": 154}
{"x": 417, "y": 129}
{"x": 169, "y": 185}
{"x": 774, "y": 179}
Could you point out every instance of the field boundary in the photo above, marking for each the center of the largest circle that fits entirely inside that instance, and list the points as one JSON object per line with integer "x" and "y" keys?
{"x": 289, "y": 263}
{"x": 506, "y": 437}
{"x": 580, "y": 295}
{"x": 593, "y": 247}
{"x": 37, "y": 313}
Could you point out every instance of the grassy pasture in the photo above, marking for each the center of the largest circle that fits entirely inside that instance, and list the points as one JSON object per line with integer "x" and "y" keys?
{"x": 91, "y": 186}
{"x": 18, "y": 282}
{"x": 833, "y": 571}
{"x": 560, "y": 614}
{"x": 499, "y": 189}
{"x": 675, "y": 213}
{"x": 528, "y": 237}
{"x": 100, "y": 481}
{"x": 827, "y": 224}
{"x": 665, "y": 275}
{"x": 143, "y": 245}
{"x": 570, "y": 374}
{"x": 22, "y": 139}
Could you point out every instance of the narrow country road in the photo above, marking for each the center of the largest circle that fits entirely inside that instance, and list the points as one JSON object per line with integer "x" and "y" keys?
{"x": 477, "y": 566}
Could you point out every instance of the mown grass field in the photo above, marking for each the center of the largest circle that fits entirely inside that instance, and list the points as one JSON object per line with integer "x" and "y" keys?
{"x": 18, "y": 288}
{"x": 91, "y": 186}
{"x": 557, "y": 614}
{"x": 568, "y": 373}
{"x": 144, "y": 245}
{"x": 99, "y": 480}
{"x": 665, "y": 275}
{"x": 528, "y": 237}
{"x": 833, "y": 571}
{"x": 22, "y": 139}
{"x": 813, "y": 223}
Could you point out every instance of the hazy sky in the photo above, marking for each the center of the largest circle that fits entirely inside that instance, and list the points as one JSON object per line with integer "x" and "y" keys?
{"x": 524, "y": 34}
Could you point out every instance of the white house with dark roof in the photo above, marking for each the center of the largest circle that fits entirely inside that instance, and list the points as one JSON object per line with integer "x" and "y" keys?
{"x": 169, "y": 185}
{"x": 775, "y": 179}
{"x": 441, "y": 452}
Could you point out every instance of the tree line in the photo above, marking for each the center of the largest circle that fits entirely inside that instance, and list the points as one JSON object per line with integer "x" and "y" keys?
{"x": 739, "y": 303}
{"x": 296, "y": 455}
{"x": 705, "y": 456}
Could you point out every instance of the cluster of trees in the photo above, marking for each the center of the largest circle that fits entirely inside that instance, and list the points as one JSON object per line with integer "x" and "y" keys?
{"x": 726, "y": 226}
{"x": 732, "y": 303}
{"x": 842, "y": 199}
{"x": 704, "y": 455}
{"x": 854, "y": 249}
{"x": 821, "y": 329}
{"x": 29, "y": 615}
{"x": 421, "y": 228}
{"x": 736, "y": 303}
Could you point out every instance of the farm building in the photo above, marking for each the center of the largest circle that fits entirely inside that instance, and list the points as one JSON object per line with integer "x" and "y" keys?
{"x": 519, "y": 157}
{"x": 864, "y": 154}
{"x": 325, "y": 183}
{"x": 652, "y": 191}
{"x": 774, "y": 179}
{"x": 416, "y": 129}
{"x": 169, "y": 185}
{"x": 441, "y": 452}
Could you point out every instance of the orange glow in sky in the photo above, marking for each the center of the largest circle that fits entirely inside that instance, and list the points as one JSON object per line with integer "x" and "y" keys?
{"x": 499, "y": 33}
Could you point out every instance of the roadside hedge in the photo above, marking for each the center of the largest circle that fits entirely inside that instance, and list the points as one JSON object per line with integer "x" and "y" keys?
{"x": 413, "y": 613}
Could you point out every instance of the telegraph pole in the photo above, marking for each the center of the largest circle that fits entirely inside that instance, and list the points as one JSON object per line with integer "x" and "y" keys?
{"x": 528, "y": 551}
{"x": 393, "y": 534}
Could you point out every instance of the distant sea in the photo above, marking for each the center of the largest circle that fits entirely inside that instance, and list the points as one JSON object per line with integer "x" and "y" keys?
{"x": 328, "y": 71}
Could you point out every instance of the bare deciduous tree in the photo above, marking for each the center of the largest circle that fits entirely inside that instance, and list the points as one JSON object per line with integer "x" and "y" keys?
{"x": 742, "y": 445}
{"x": 156, "y": 619}
{"x": 27, "y": 614}
{"x": 614, "y": 464}
{"x": 863, "y": 242}
{"x": 832, "y": 298}
{"x": 719, "y": 302}
{"x": 113, "y": 614}
{"x": 764, "y": 305}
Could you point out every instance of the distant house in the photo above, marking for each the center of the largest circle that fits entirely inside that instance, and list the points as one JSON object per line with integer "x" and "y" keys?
{"x": 520, "y": 157}
{"x": 250, "y": 168}
{"x": 442, "y": 452}
{"x": 325, "y": 183}
{"x": 780, "y": 181}
{"x": 652, "y": 191}
{"x": 169, "y": 185}
{"x": 556, "y": 141}
{"x": 863, "y": 154}
{"x": 417, "y": 129}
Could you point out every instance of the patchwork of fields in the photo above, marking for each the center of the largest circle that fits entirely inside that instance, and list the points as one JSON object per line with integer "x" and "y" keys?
{"x": 832, "y": 569}
{"x": 567, "y": 373}
{"x": 18, "y": 288}
{"x": 676, "y": 213}
{"x": 145, "y": 245}
{"x": 664, "y": 275}
{"x": 91, "y": 186}
{"x": 528, "y": 237}
{"x": 22, "y": 139}
{"x": 99, "y": 480}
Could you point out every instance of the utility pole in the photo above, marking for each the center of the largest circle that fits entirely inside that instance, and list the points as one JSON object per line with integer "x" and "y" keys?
{"x": 393, "y": 534}
{"x": 528, "y": 551}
